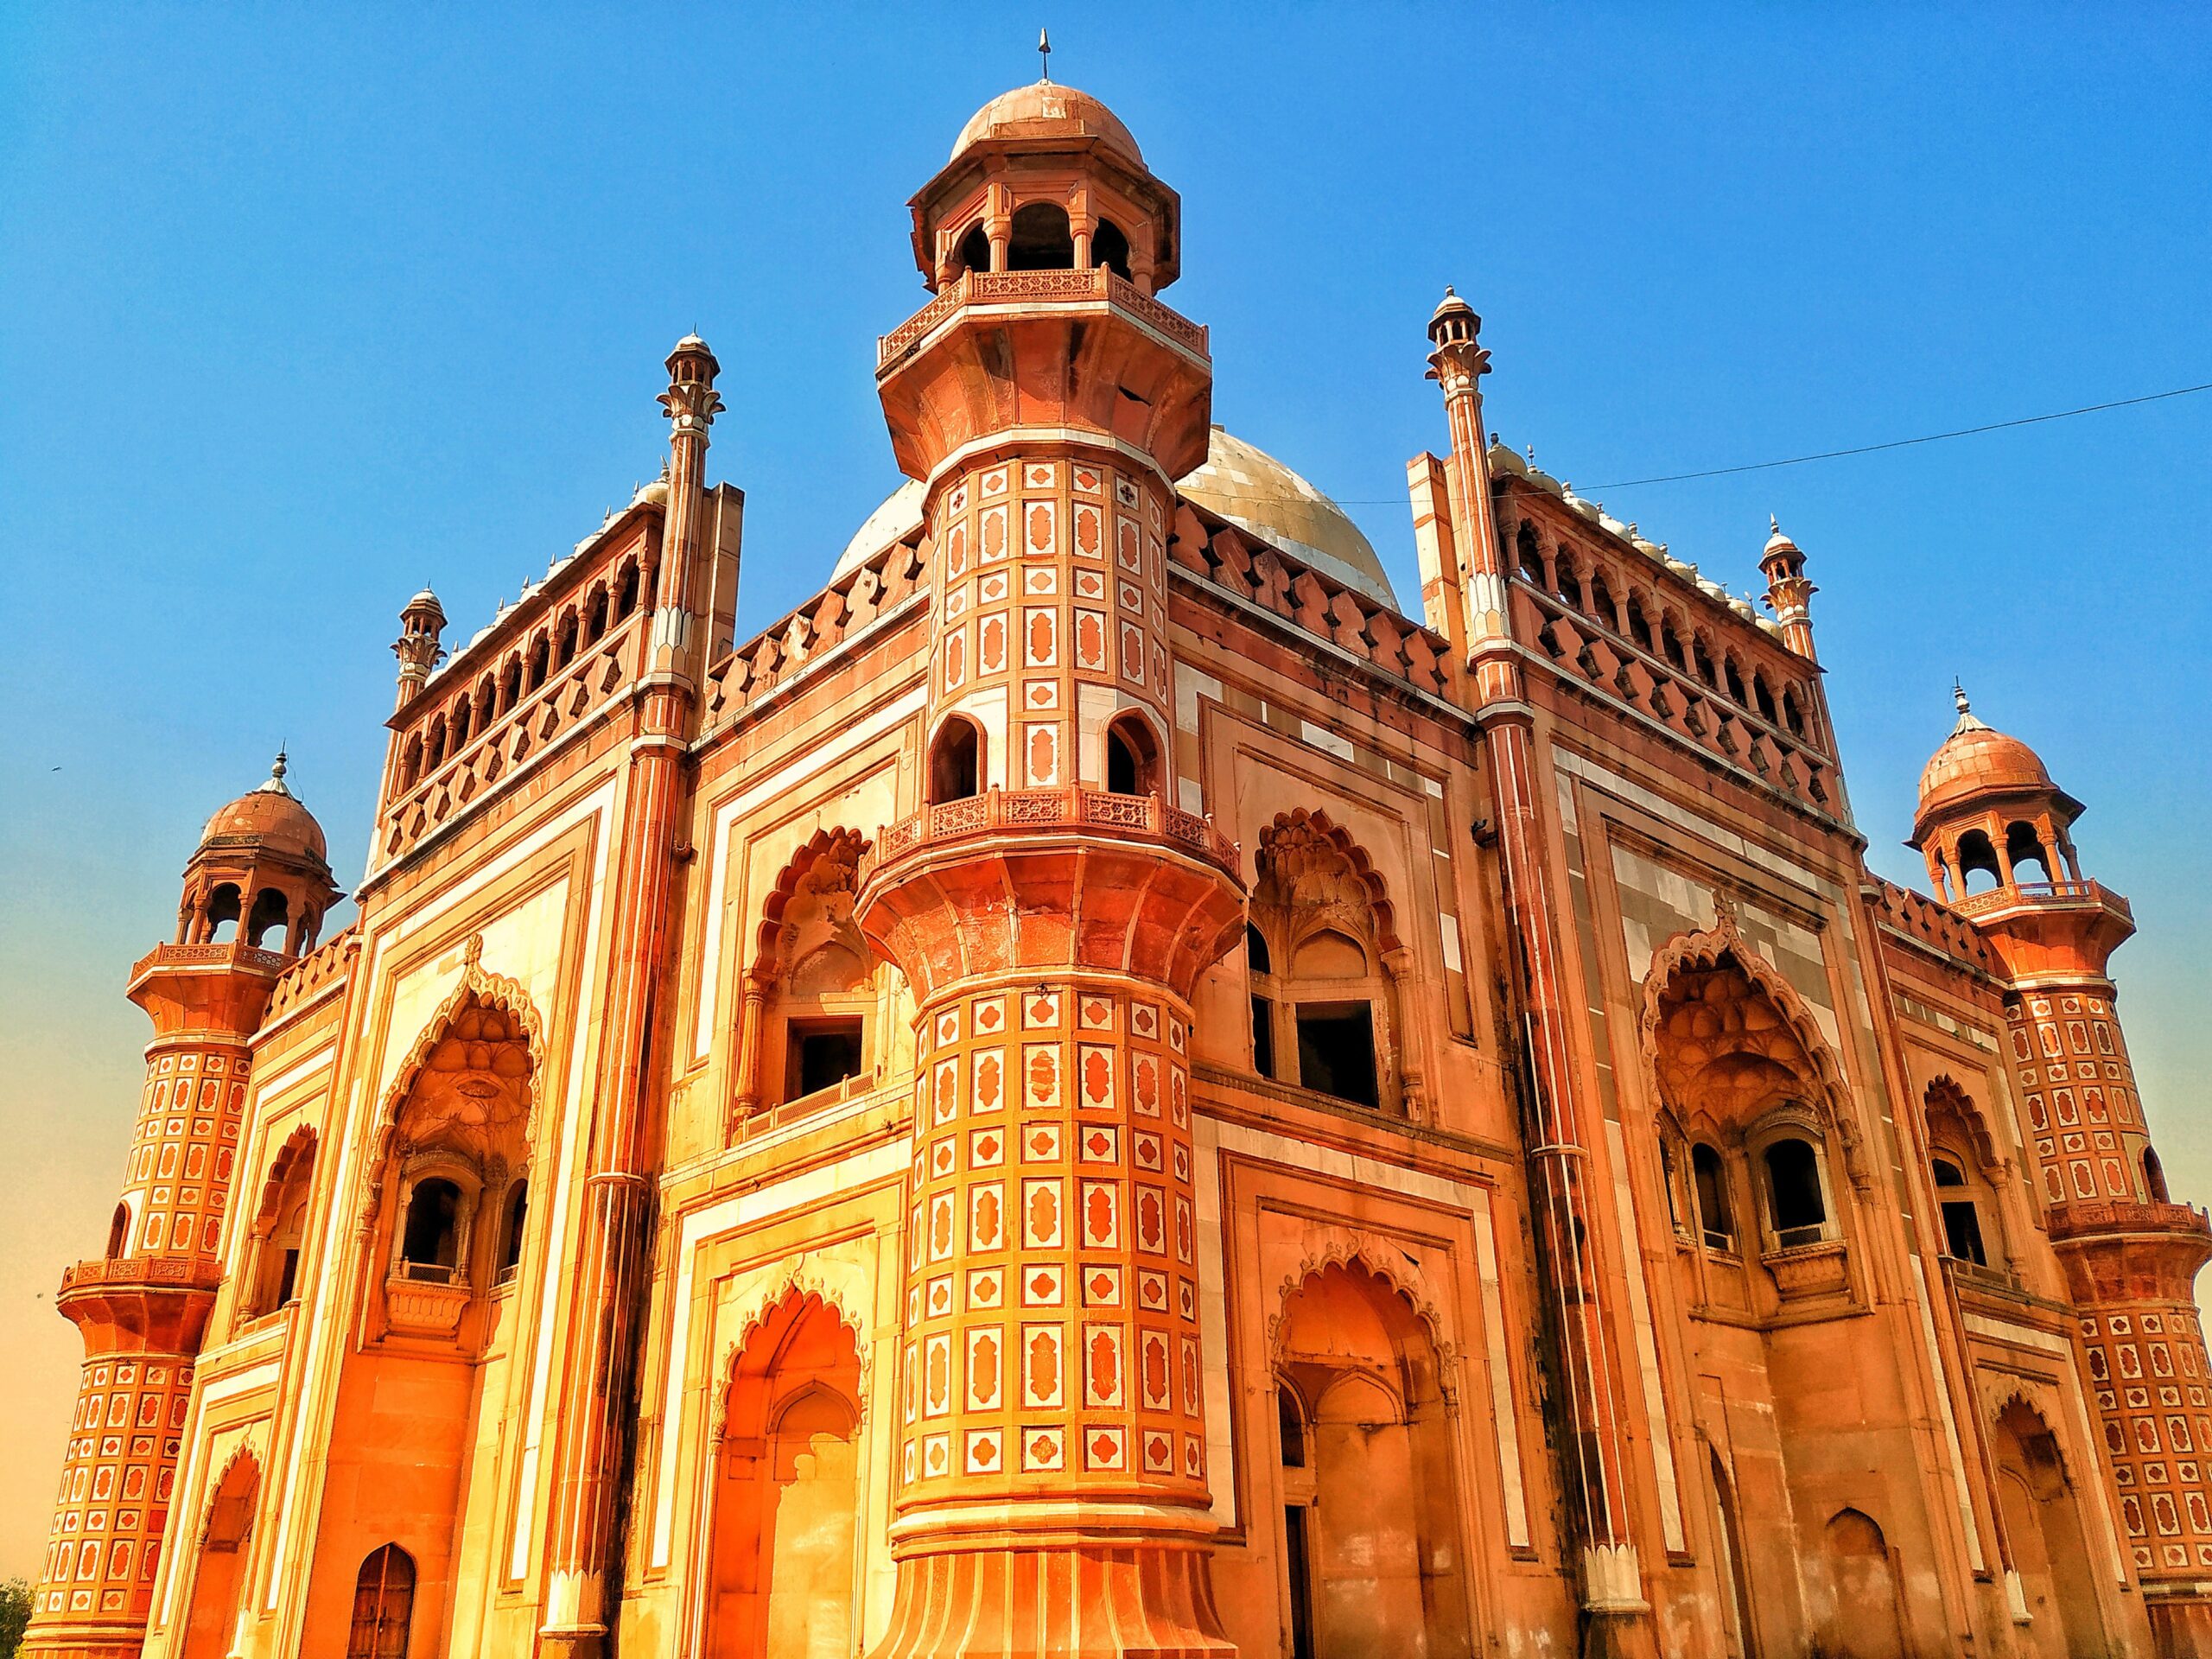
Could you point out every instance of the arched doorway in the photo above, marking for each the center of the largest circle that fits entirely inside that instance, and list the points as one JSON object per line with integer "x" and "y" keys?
{"x": 210, "y": 1622}
{"x": 1743, "y": 1640}
{"x": 1862, "y": 1621}
{"x": 782, "y": 1534}
{"x": 1379, "y": 1545}
{"x": 2042, "y": 1525}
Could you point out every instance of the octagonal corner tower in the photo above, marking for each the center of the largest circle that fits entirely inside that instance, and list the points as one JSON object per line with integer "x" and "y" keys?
{"x": 1052, "y": 910}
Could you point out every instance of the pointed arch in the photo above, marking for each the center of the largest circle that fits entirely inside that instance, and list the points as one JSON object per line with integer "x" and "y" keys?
{"x": 1946, "y": 1096}
{"x": 1354, "y": 1250}
{"x": 297, "y": 1153}
{"x": 1723, "y": 946}
{"x": 1300, "y": 846}
{"x": 783, "y": 1299}
{"x": 828, "y": 862}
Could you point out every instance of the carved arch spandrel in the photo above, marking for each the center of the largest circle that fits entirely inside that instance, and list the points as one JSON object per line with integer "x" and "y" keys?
{"x": 1945, "y": 1093}
{"x": 1723, "y": 945}
{"x": 1324, "y": 1246}
{"x": 827, "y": 862}
{"x": 488, "y": 989}
{"x": 801, "y": 1280}
{"x": 302, "y": 1142}
{"x": 249, "y": 1449}
{"x": 1303, "y": 833}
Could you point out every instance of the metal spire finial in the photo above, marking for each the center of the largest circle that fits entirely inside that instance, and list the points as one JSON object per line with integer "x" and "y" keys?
{"x": 1773, "y": 525}
{"x": 277, "y": 768}
{"x": 1958, "y": 696}
{"x": 1045, "y": 55}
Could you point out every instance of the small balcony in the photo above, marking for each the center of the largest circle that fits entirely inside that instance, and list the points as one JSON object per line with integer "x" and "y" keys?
{"x": 1136, "y": 818}
{"x": 985, "y": 288}
{"x": 2045, "y": 895}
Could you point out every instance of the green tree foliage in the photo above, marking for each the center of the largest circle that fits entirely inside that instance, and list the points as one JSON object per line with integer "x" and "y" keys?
{"x": 15, "y": 1613}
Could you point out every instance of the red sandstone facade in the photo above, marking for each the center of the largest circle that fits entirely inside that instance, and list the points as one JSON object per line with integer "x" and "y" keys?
{"x": 1100, "y": 1089}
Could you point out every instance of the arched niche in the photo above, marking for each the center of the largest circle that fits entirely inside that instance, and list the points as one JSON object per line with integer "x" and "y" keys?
{"x": 781, "y": 1542}
{"x": 218, "y": 1568}
{"x": 1373, "y": 1547}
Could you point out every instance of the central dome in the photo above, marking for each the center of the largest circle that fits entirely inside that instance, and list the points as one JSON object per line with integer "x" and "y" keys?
{"x": 1045, "y": 108}
{"x": 1238, "y": 482}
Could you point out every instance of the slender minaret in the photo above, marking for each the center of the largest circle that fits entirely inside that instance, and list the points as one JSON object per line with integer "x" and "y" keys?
{"x": 1789, "y": 594}
{"x": 420, "y": 647}
{"x": 255, "y": 893}
{"x": 609, "y": 1284}
{"x": 1051, "y": 910}
{"x": 1556, "y": 1118}
{"x": 1988, "y": 809}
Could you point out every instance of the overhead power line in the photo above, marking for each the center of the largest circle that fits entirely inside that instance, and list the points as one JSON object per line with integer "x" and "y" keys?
{"x": 1837, "y": 454}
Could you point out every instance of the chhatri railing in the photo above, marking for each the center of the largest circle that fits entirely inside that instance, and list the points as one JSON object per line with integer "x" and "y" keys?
{"x": 1145, "y": 817}
{"x": 1010, "y": 286}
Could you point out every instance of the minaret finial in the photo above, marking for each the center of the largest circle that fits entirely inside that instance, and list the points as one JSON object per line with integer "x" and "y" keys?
{"x": 1045, "y": 55}
{"x": 276, "y": 769}
{"x": 1959, "y": 695}
{"x": 1773, "y": 525}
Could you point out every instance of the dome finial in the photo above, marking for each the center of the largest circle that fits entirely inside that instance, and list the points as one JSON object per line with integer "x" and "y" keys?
{"x": 1045, "y": 55}
{"x": 1959, "y": 695}
{"x": 1773, "y": 525}
{"x": 277, "y": 766}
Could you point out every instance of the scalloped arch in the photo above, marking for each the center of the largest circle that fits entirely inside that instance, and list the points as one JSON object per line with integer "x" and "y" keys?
{"x": 1945, "y": 1093}
{"x": 799, "y": 1282}
{"x": 1320, "y": 825}
{"x": 247, "y": 1450}
{"x": 300, "y": 1143}
{"x": 768, "y": 938}
{"x": 1724, "y": 945}
{"x": 1347, "y": 1248}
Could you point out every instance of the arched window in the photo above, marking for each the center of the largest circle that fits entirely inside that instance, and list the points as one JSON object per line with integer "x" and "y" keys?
{"x": 1961, "y": 1217}
{"x": 1734, "y": 679}
{"x": 571, "y": 629}
{"x": 626, "y": 595}
{"x": 957, "y": 761}
{"x": 1710, "y": 1177}
{"x": 510, "y": 1236}
{"x": 974, "y": 253}
{"x": 1570, "y": 585}
{"x": 510, "y": 684}
{"x": 436, "y": 756}
{"x": 1042, "y": 240}
{"x": 384, "y": 1602}
{"x": 1132, "y": 757}
{"x": 1601, "y": 601}
{"x": 595, "y": 616}
{"x": 1764, "y": 698}
{"x": 1792, "y": 716}
{"x": 2024, "y": 851}
{"x": 1529, "y": 553}
{"x": 540, "y": 656}
{"x": 1290, "y": 1426}
{"x": 1670, "y": 644}
{"x": 1258, "y": 968}
{"x": 1978, "y": 868}
{"x": 270, "y": 913}
{"x": 1701, "y": 660}
{"x": 1796, "y": 1207}
{"x": 119, "y": 1231}
{"x": 1639, "y": 625}
{"x": 279, "y": 1229}
{"x": 811, "y": 987}
{"x": 1110, "y": 246}
{"x": 430, "y": 1244}
{"x": 223, "y": 910}
{"x": 2154, "y": 1179}
{"x": 411, "y": 767}
{"x": 461, "y": 712}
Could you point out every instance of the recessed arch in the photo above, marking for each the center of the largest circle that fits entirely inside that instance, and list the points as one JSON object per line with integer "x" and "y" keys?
{"x": 1042, "y": 238}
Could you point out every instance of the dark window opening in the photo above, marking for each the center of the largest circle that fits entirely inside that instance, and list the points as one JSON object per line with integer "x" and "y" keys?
{"x": 1132, "y": 757}
{"x": 1110, "y": 246}
{"x": 974, "y": 253}
{"x": 437, "y": 744}
{"x": 1793, "y": 1179}
{"x": 1256, "y": 959}
{"x": 821, "y": 1054}
{"x": 287, "y": 1277}
{"x": 1702, "y": 661}
{"x": 1639, "y": 626}
{"x": 1792, "y": 716}
{"x": 1962, "y": 1232}
{"x": 1042, "y": 240}
{"x": 596, "y": 618}
{"x": 1734, "y": 678}
{"x": 1711, "y": 1180}
{"x": 1764, "y": 699}
{"x": 511, "y": 1241}
{"x": 511, "y": 684}
{"x": 119, "y": 1231}
{"x": 384, "y": 1604}
{"x": 625, "y": 600}
{"x": 1570, "y": 585}
{"x": 1670, "y": 643}
{"x": 956, "y": 761}
{"x": 1336, "y": 1052}
{"x": 2154, "y": 1178}
{"x": 1530, "y": 555}
{"x": 1601, "y": 601}
{"x": 430, "y": 1236}
{"x": 1290, "y": 1428}
{"x": 1297, "y": 1553}
{"x": 1264, "y": 1036}
{"x": 460, "y": 724}
{"x": 569, "y": 631}
{"x": 540, "y": 660}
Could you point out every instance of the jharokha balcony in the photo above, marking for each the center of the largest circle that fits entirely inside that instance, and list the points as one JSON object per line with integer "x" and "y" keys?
{"x": 2046, "y": 895}
{"x": 218, "y": 957}
{"x": 2106, "y": 1218}
{"x": 1131, "y": 818}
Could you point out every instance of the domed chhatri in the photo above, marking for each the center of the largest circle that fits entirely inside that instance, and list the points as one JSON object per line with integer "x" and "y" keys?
{"x": 1045, "y": 108}
{"x": 270, "y": 815}
{"x": 1977, "y": 760}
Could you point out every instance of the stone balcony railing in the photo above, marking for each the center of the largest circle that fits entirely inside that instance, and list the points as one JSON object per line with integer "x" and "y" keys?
{"x": 1010, "y": 286}
{"x": 141, "y": 1273}
{"x": 231, "y": 955}
{"x": 1000, "y": 810}
{"x": 2086, "y": 1218}
{"x": 2069, "y": 894}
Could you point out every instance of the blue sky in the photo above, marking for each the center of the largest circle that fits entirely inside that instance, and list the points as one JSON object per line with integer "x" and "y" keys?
{"x": 303, "y": 307}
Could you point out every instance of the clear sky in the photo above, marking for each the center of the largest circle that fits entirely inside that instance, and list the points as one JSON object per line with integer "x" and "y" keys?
{"x": 301, "y": 307}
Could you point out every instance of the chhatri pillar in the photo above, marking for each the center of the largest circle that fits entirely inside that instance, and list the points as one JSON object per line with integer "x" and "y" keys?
{"x": 1052, "y": 911}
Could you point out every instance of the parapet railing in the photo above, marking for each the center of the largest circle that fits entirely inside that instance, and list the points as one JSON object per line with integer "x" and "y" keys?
{"x": 2094, "y": 892}
{"x": 229, "y": 955}
{"x": 999, "y": 810}
{"x": 2088, "y": 1216}
{"x": 126, "y": 1272}
{"x": 999, "y": 287}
